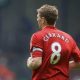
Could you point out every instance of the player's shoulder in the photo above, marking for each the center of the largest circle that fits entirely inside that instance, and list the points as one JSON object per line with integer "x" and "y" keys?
{"x": 37, "y": 34}
{"x": 65, "y": 34}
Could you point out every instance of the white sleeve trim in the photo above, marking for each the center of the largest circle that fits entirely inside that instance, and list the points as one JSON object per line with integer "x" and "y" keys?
{"x": 36, "y": 49}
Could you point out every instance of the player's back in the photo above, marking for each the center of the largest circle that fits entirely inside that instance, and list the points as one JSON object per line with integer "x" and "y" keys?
{"x": 57, "y": 46}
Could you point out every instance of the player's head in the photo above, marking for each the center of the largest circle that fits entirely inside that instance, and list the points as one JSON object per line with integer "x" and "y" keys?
{"x": 47, "y": 14}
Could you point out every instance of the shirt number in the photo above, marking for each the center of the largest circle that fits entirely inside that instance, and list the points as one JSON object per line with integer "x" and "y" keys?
{"x": 55, "y": 56}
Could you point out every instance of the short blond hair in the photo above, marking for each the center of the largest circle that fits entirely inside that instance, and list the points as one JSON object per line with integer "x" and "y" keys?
{"x": 49, "y": 12}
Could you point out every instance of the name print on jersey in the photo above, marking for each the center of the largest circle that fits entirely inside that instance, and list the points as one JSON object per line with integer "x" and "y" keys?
{"x": 49, "y": 35}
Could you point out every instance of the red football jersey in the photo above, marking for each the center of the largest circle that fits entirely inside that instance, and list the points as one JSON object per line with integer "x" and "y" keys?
{"x": 56, "y": 48}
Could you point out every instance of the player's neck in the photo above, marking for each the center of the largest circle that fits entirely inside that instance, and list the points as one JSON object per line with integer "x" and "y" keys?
{"x": 48, "y": 25}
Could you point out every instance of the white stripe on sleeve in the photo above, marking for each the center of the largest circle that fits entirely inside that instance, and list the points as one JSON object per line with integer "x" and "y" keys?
{"x": 36, "y": 49}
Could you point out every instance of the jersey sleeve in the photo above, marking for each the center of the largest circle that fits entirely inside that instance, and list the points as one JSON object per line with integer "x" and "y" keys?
{"x": 76, "y": 53}
{"x": 36, "y": 46}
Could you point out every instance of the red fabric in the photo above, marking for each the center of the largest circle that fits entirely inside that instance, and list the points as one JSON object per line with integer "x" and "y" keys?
{"x": 6, "y": 74}
{"x": 36, "y": 54}
{"x": 58, "y": 77}
{"x": 67, "y": 48}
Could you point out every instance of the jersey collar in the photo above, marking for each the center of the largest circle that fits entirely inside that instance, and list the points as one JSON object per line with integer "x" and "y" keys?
{"x": 49, "y": 27}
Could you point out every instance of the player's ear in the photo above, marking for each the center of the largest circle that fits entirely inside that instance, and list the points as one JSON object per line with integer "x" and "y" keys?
{"x": 43, "y": 20}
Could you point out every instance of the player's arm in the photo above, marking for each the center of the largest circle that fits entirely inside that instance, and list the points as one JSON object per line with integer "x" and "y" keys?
{"x": 35, "y": 60}
{"x": 34, "y": 63}
{"x": 36, "y": 52}
{"x": 73, "y": 64}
